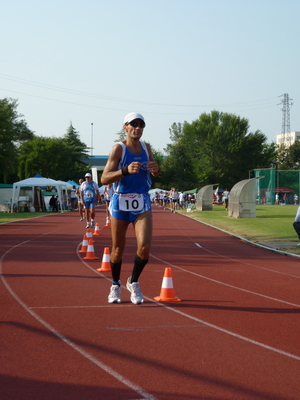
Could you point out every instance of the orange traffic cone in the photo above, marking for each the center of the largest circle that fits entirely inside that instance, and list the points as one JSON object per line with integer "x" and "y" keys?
{"x": 97, "y": 230}
{"x": 167, "y": 291}
{"x": 84, "y": 245}
{"x": 105, "y": 266}
{"x": 90, "y": 254}
{"x": 107, "y": 221}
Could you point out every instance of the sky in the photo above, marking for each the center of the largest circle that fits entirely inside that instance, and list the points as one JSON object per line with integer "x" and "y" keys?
{"x": 91, "y": 62}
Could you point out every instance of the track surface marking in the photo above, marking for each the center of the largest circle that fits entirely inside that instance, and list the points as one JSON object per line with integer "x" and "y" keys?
{"x": 235, "y": 335}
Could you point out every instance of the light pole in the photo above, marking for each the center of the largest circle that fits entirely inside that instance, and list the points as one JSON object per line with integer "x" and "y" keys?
{"x": 92, "y": 139}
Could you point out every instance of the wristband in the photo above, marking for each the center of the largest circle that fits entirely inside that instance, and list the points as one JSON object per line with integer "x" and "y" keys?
{"x": 125, "y": 171}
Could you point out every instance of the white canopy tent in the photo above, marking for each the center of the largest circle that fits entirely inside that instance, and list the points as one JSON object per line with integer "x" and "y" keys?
{"x": 153, "y": 191}
{"x": 65, "y": 186}
{"x": 35, "y": 182}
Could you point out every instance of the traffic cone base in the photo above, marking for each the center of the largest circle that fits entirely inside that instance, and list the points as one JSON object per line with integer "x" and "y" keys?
{"x": 90, "y": 254}
{"x": 105, "y": 266}
{"x": 167, "y": 291}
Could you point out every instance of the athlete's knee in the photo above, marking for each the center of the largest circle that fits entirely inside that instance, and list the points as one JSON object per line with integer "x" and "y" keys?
{"x": 143, "y": 252}
{"x": 116, "y": 254}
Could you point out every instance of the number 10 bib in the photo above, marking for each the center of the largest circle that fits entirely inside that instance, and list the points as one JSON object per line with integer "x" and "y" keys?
{"x": 131, "y": 202}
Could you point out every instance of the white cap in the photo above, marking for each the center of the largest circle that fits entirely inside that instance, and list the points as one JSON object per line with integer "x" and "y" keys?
{"x": 131, "y": 116}
{"x": 87, "y": 174}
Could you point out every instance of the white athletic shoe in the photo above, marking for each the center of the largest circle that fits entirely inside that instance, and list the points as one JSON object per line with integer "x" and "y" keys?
{"x": 92, "y": 224}
{"x": 114, "y": 294}
{"x": 135, "y": 290}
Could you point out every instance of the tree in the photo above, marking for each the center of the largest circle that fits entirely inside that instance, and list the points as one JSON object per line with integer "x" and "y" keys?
{"x": 178, "y": 168}
{"x": 78, "y": 154}
{"x": 175, "y": 133}
{"x": 13, "y": 132}
{"x": 49, "y": 157}
{"x": 217, "y": 149}
{"x": 56, "y": 158}
{"x": 121, "y": 136}
{"x": 289, "y": 157}
{"x": 158, "y": 157}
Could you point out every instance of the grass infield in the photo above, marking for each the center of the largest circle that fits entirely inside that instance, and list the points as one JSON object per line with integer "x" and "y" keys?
{"x": 273, "y": 224}
{"x": 19, "y": 216}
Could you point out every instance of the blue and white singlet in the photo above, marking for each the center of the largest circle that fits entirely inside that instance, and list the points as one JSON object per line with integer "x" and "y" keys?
{"x": 134, "y": 183}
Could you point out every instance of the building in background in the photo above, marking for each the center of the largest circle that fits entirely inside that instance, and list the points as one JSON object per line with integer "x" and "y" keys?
{"x": 287, "y": 138}
{"x": 98, "y": 162}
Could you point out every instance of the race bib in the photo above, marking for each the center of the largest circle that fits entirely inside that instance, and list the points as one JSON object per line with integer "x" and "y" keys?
{"x": 89, "y": 194}
{"x": 131, "y": 202}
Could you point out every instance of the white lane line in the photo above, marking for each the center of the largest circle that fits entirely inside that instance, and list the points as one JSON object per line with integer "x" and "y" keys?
{"x": 281, "y": 352}
{"x": 78, "y": 307}
{"x": 244, "y": 240}
{"x": 256, "y": 343}
{"x": 285, "y": 253}
{"x": 119, "y": 377}
{"x": 284, "y": 353}
{"x": 247, "y": 263}
{"x": 88, "y": 356}
{"x": 145, "y": 328}
{"x": 226, "y": 284}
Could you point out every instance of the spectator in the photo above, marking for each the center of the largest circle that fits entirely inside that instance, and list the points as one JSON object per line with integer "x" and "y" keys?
{"x": 181, "y": 199}
{"x": 53, "y": 203}
{"x": 73, "y": 198}
{"x": 295, "y": 199}
{"x": 225, "y": 198}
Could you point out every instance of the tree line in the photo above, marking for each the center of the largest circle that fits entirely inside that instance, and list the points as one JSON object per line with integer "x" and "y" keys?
{"x": 24, "y": 154}
{"x": 215, "y": 148}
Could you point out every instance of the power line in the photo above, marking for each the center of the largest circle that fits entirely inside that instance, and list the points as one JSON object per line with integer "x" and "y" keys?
{"x": 250, "y": 103}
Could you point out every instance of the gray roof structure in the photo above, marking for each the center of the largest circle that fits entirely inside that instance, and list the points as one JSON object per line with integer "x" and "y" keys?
{"x": 98, "y": 162}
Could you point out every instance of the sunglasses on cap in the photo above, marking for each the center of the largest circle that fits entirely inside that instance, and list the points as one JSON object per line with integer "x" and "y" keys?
{"x": 136, "y": 124}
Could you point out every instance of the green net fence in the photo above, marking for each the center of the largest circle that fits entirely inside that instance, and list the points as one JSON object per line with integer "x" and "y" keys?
{"x": 275, "y": 186}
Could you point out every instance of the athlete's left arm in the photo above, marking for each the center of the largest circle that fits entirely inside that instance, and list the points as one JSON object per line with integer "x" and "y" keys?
{"x": 152, "y": 166}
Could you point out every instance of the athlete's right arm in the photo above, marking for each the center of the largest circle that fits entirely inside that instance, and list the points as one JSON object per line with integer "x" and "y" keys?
{"x": 110, "y": 173}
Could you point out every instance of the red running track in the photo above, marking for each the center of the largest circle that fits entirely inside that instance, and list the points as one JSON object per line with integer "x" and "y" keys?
{"x": 234, "y": 335}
